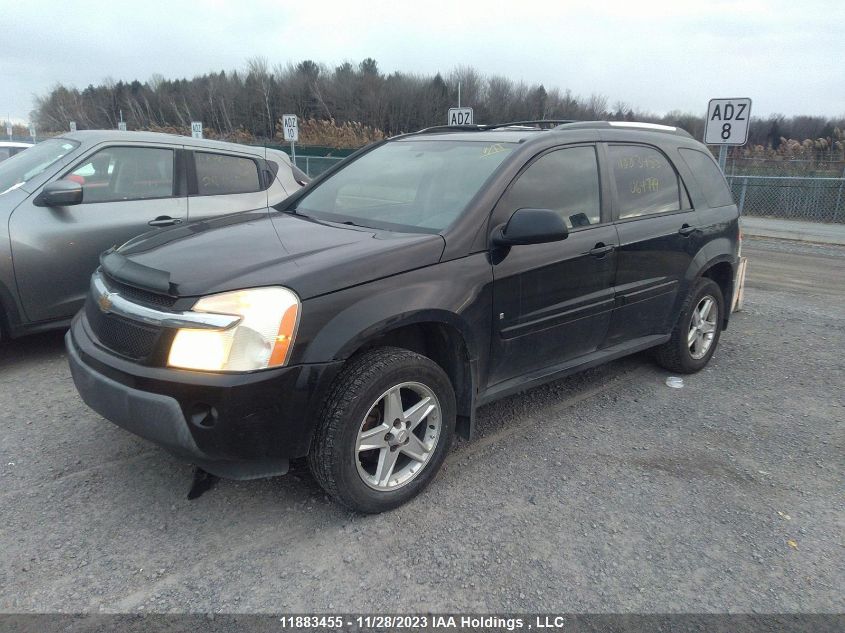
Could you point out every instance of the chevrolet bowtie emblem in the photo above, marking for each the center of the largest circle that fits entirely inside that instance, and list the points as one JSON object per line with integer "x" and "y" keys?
{"x": 104, "y": 301}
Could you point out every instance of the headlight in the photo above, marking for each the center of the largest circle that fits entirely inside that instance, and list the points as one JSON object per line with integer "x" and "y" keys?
{"x": 262, "y": 338}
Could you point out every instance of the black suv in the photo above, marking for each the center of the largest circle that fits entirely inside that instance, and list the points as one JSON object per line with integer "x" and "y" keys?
{"x": 363, "y": 320}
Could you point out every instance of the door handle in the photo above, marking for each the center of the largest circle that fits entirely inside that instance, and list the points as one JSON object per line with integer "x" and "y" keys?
{"x": 686, "y": 230}
{"x": 164, "y": 220}
{"x": 600, "y": 249}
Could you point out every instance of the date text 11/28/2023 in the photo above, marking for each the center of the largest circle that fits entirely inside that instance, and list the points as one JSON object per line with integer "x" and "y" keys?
{"x": 414, "y": 622}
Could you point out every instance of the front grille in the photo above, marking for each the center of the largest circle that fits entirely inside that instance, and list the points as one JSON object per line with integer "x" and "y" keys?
{"x": 137, "y": 294}
{"x": 127, "y": 338}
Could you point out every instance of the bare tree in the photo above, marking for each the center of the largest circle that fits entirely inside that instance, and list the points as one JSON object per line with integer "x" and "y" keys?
{"x": 250, "y": 102}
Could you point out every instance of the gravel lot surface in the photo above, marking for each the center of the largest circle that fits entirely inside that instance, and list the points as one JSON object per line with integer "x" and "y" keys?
{"x": 607, "y": 491}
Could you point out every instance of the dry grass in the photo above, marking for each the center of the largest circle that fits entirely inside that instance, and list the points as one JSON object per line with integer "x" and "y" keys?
{"x": 329, "y": 133}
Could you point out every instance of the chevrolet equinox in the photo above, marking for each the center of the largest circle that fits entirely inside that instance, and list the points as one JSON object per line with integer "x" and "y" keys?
{"x": 363, "y": 320}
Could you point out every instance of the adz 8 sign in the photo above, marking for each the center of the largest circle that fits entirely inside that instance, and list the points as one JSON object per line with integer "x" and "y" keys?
{"x": 727, "y": 122}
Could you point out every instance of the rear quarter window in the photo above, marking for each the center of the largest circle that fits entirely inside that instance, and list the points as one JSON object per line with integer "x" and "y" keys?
{"x": 708, "y": 176}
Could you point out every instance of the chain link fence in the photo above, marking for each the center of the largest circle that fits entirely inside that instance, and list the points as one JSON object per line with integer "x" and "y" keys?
{"x": 790, "y": 197}
{"x": 807, "y": 190}
{"x": 316, "y": 165}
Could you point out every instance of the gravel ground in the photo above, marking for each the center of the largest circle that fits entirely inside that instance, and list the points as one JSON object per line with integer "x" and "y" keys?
{"x": 604, "y": 492}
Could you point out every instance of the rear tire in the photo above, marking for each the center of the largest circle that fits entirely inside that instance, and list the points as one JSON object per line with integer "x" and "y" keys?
{"x": 697, "y": 330}
{"x": 384, "y": 430}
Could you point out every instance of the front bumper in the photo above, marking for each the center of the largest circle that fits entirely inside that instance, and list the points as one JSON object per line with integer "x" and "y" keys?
{"x": 240, "y": 426}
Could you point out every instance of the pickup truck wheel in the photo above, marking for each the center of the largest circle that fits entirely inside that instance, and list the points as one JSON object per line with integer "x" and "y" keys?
{"x": 696, "y": 333}
{"x": 384, "y": 430}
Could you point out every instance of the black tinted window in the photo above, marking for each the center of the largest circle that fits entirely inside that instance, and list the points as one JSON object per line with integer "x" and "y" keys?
{"x": 125, "y": 173}
{"x": 708, "y": 176}
{"x": 646, "y": 182}
{"x": 221, "y": 173}
{"x": 566, "y": 181}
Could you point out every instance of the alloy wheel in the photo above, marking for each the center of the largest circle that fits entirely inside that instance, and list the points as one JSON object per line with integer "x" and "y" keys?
{"x": 398, "y": 436}
{"x": 702, "y": 329}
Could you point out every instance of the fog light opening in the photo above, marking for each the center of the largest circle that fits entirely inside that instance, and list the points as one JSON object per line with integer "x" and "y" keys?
{"x": 203, "y": 415}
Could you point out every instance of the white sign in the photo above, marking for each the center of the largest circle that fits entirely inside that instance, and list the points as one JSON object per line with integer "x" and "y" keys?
{"x": 196, "y": 129}
{"x": 8, "y": 129}
{"x": 121, "y": 125}
{"x": 460, "y": 116}
{"x": 727, "y": 122}
{"x": 291, "y": 127}
{"x": 32, "y": 131}
{"x": 73, "y": 126}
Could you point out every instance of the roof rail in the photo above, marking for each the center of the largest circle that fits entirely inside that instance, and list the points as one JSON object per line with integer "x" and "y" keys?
{"x": 554, "y": 124}
{"x": 532, "y": 123}
{"x": 481, "y": 127}
{"x": 631, "y": 125}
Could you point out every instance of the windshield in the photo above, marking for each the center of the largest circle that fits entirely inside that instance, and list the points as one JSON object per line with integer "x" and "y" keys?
{"x": 28, "y": 164}
{"x": 421, "y": 185}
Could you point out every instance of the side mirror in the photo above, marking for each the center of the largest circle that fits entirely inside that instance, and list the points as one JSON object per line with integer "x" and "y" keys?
{"x": 60, "y": 193}
{"x": 531, "y": 226}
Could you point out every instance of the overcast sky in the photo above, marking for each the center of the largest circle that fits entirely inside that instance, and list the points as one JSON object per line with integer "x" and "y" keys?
{"x": 657, "y": 56}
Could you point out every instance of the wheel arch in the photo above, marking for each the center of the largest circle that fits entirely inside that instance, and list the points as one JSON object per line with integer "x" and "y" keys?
{"x": 721, "y": 268}
{"x": 722, "y": 272}
{"x": 439, "y": 335}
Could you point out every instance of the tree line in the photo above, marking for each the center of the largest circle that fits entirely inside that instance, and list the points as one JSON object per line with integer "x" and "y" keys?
{"x": 250, "y": 102}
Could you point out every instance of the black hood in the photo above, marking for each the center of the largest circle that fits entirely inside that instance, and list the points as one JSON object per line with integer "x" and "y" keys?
{"x": 268, "y": 247}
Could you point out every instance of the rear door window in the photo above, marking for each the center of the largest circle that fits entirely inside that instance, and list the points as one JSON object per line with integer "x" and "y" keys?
{"x": 220, "y": 174}
{"x": 709, "y": 177}
{"x": 646, "y": 182}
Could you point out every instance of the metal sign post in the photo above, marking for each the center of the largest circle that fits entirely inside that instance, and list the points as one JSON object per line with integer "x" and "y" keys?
{"x": 290, "y": 126}
{"x": 723, "y": 157}
{"x": 727, "y": 124}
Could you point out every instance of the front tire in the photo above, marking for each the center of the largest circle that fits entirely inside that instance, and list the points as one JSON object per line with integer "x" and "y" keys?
{"x": 384, "y": 430}
{"x": 697, "y": 331}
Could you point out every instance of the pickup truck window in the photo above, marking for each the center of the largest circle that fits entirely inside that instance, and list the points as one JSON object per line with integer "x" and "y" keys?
{"x": 422, "y": 185}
